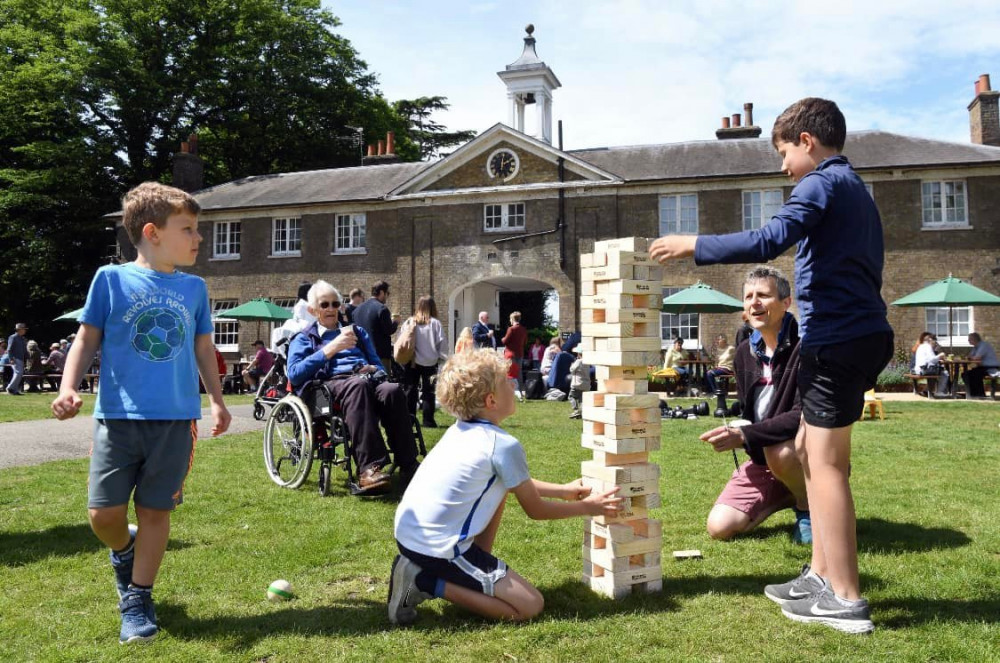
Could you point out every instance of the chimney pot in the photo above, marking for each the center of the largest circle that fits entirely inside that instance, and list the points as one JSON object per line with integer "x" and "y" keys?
{"x": 381, "y": 147}
{"x": 390, "y": 143}
{"x": 736, "y": 119}
{"x": 371, "y": 150}
{"x": 748, "y": 113}
{"x": 983, "y": 84}
{"x": 193, "y": 143}
{"x": 725, "y": 123}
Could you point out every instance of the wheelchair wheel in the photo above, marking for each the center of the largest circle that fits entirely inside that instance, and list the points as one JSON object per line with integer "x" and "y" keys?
{"x": 288, "y": 447}
{"x": 324, "y": 479}
{"x": 258, "y": 412}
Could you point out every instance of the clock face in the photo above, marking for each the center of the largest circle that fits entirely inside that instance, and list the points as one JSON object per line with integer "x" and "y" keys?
{"x": 502, "y": 164}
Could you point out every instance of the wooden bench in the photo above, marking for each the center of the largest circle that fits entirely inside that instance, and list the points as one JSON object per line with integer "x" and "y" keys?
{"x": 930, "y": 379}
{"x": 89, "y": 379}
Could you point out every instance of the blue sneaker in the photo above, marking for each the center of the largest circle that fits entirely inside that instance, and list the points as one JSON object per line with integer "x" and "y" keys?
{"x": 803, "y": 532}
{"x": 136, "y": 608}
{"x": 122, "y": 564}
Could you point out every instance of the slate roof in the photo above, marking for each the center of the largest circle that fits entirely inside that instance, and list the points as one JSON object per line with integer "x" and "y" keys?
{"x": 309, "y": 187}
{"x": 689, "y": 160}
{"x": 756, "y": 156}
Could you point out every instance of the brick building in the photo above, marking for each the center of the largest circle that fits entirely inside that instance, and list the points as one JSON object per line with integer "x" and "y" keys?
{"x": 508, "y": 211}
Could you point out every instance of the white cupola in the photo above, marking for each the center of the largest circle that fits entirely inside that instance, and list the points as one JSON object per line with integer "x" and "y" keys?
{"x": 530, "y": 81}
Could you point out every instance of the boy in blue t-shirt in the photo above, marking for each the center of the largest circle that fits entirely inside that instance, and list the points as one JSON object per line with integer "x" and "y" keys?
{"x": 153, "y": 327}
{"x": 451, "y": 511}
{"x": 846, "y": 339}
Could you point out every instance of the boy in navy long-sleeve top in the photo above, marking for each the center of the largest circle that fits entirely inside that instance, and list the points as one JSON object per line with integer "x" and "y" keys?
{"x": 845, "y": 339}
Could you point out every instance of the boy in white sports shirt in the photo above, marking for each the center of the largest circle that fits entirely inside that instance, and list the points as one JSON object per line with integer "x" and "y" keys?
{"x": 449, "y": 516}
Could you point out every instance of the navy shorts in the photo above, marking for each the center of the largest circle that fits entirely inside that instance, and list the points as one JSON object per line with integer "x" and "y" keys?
{"x": 150, "y": 457}
{"x": 474, "y": 569}
{"x": 833, "y": 379}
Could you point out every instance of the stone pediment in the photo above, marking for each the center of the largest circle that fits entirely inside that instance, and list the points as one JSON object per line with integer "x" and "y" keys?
{"x": 518, "y": 162}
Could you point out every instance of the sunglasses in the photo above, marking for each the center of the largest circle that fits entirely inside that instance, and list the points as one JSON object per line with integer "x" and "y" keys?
{"x": 329, "y": 304}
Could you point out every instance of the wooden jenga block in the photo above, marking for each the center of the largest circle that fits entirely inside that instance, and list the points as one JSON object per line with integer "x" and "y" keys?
{"x": 608, "y": 459}
{"x": 643, "y": 344}
{"x": 621, "y": 330}
{"x": 627, "y": 287}
{"x": 632, "y": 508}
{"x": 588, "y": 288}
{"x": 622, "y": 244}
{"x": 609, "y": 589}
{"x": 628, "y": 258}
{"x": 617, "y": 432}
{"x": 647, "y": 273}
{"x": 609, "y": 562}
{"x": 631, "y": 489}
{"x": 625, "y": 358}
{"x": 627, "y": 315}
{"x": 634, "y": 574}
{"x": 619, "y": 474}
{"x": 640, "y": 545}
{"x": 587, "y": 344}
{"x": 637, "y": 372}
{"x": 621, "y": 417}
{"x": 619, "y": 401}
{"x": 589, "y": 260}
{"x": 616, "y": 272}
{"x": 610, "y": 302}
{"x": 650, "y": 528}
{"x": 630, "y": 445}
{"x": 619, "y": 386}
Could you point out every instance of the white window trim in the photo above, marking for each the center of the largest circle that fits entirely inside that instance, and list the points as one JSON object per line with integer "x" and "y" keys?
{"x": 226, "y": 347}
{"x": 689, "y": 343}
{"x": 960, "y": 340}
{"x": 946, "y": 225}
{"x": 216, "y": 256}
{"x": 505, "y": 226}
{"x": 354, "y": 250}
{"x": 764, "y": 216}
{"x": 274, "y": 227}
{"x": 677, "y": 197}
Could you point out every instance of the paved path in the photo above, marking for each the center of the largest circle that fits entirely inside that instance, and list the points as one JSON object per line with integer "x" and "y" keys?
{"x": 39, "y": 441}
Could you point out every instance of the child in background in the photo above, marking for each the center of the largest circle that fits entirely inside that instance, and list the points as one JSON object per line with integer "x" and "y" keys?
{"x": 449, "y": 516}
{"x": 579, "y": 382}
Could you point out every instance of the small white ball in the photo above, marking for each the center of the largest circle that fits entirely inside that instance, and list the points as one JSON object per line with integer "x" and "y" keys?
{"x": 280, "y": 590}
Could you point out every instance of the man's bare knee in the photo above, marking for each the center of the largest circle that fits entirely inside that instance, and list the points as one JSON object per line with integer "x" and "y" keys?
{"x": 722, "y": 526}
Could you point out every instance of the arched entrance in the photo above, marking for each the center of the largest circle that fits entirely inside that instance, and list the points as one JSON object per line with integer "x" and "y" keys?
{"x": 466, "y": 301}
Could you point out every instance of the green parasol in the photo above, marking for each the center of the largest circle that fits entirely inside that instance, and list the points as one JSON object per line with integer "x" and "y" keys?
{"x": 950, "y": 292}
{"x": 257, "y": 310}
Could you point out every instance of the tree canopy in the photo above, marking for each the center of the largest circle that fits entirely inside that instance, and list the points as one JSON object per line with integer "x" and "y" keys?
{"x": 95, "y": 97}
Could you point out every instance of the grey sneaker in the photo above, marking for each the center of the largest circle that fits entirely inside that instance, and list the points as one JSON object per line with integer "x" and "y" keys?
{"x": 404, "y": 597}
{"x": 802, "y": 587}
{"x": 122, "y": 564}
{"x": 137, "y": 626}
{"x": 824, "y": 608}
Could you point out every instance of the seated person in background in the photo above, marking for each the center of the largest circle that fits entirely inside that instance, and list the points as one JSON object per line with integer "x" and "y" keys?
{"x": 986, "y": 359}
{"x": 344, "y": 357}
{"x": 450, "y": 515}
{"x": 259, "y": 365}
{"x": 767, "y": 388}
{"x": 54, "y": 363}
{"x": 551, "y": 352}
{"x": 927, "y": 361}
{"x": 34, "y": 364}
{"x": 672, "y": 370}
{"x": 723, "y": 365}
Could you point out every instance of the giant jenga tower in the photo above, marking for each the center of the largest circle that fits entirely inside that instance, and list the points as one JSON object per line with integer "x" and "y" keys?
{"x": 620, "y": 304}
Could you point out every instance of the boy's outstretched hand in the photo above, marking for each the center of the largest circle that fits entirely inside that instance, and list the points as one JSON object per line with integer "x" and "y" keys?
{"x": 603, "y": 504}
{"x": 220, "y": 419}
{"x": 575, "y": 490}
{"x": 66, "y": 405}
{"x": 671, "y": 247}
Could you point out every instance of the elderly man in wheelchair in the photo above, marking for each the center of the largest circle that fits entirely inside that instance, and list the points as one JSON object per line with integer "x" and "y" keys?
{"x": 344, "y": 361}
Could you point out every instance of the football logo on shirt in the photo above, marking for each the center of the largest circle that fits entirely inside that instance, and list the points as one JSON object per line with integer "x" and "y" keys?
{"x": 158, "y": 334}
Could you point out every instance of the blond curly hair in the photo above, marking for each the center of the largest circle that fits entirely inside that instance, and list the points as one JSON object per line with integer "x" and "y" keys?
{"x": 467, "y": 378}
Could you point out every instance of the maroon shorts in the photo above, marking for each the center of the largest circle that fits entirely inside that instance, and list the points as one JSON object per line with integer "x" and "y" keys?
{"x": 755, "y": 491}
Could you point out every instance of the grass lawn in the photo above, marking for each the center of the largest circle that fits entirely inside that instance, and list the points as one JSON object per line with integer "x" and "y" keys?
{"x": 36, "y": 406}
{"x": 925, "y": 482}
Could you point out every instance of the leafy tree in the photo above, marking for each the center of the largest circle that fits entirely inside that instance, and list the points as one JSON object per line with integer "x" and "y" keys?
{"x": 429, "y": 137}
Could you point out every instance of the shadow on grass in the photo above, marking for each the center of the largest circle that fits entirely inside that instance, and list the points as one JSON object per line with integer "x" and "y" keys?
{"x": 19, "y": 548}
{"x": 903, "y": 613}
{"x": 884, "y": 537}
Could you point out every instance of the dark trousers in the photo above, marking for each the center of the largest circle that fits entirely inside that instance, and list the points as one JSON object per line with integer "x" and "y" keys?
{"x": 418, "y": 378}
{"x": 974, "y": 381}
{"x": 364, "y": 407}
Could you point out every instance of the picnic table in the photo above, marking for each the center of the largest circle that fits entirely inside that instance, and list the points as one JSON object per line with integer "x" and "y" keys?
{"x": 955, "y": 368}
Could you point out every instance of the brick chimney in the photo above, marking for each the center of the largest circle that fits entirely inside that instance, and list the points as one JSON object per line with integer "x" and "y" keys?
{"x": 383, "y": 152}
{"x": 189, "y": 170}
{"x": 984, "y": 114}
{"x": 732, "y": 129}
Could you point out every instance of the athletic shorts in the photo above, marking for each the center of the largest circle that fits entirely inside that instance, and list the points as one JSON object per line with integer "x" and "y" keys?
{"x": 255, "y": 372}
{"x": 474, "y": 569}
{"x": 150, "y": 457}
{"x": 833, "y": 379}
{"x": 755, "y": 491}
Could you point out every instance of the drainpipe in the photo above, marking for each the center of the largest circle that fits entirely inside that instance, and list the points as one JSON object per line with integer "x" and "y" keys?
{"x": 561, "y": 221}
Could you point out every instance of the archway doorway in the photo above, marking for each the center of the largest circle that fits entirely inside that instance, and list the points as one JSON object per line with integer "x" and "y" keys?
{"x": 537, "y": 300}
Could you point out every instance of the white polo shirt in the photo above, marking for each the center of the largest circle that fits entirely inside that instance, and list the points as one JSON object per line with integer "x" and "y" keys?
{"x": 458, "y": 488}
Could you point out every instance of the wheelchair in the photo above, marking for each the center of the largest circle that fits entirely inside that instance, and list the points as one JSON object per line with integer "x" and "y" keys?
{"x": 272, "y": 386}
{"x": 312, "y": 428}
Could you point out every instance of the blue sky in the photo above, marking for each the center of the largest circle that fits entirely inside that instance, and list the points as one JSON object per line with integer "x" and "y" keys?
{"x": 647, "y": 71}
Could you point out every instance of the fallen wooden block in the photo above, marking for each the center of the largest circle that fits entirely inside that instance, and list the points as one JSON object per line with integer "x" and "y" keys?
{"x": 687, "y": 554}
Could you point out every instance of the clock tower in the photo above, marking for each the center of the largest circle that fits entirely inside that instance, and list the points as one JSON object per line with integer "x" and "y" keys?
{"x": 529, "y": 81}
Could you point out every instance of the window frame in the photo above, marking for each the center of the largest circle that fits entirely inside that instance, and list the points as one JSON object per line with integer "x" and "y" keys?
{"x": 355, "y": 220}
{"x": 232, "y": 228}
{"x": 684, "y": 321}
{"x": 232, "y": 333}
{"x": 940, "y": 322}
{"x": 942, "y": 196}
{"x": 288, "y": 239}
{"x": 505, "y": 217}
{"x": 762, "y": 205}
{"x": 678, "y": 211}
